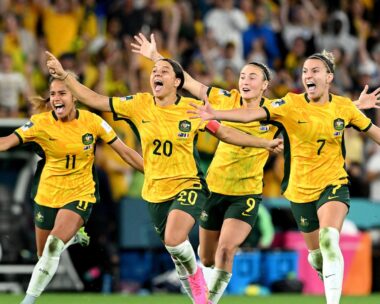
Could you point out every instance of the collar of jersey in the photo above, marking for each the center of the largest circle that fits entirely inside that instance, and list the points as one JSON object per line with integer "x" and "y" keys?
{"x": 176, "y": 102}
{"x": 261, "y": 101}
{"x": 308, "y": 100}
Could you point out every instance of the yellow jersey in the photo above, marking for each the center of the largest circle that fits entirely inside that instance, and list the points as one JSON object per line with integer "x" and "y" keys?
{"x": 66, "y": 172}
{"x": 238, "y": 170}
{"x": 168, "y": 138}
{"x": 313, "y": 142}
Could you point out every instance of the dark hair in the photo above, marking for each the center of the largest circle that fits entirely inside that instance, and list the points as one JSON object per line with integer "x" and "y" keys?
{"x": 327, "y": 58}
{"x": 178, "y": 71}
{"x": 264, "y": 68}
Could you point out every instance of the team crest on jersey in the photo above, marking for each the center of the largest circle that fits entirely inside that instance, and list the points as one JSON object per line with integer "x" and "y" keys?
{"x": 184, "y": 126}
{"x": 27, "y": 126}
{"x": 278, "y": 103}
{"x": 339, "y": 124}
{"x": 126, "y": 98}
{"x": 225, "y": 93}
{"x": 264, "y": 127}
{"x": 87, "y": 139}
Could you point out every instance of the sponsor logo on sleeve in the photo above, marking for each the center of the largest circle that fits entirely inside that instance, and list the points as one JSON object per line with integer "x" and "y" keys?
{"x": 106, "y": 126}
{"x": 27, "y": 126}
{"x": 225, "y": 93}
{"x": 278, "y": 103}
{"x": 126, "y": 98}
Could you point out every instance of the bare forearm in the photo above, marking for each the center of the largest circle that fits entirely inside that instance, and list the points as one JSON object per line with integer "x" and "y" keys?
{"x": 86, "y": 95}
{"x": 196, "y": 88}
{"x": 240, "y": 115}
{"x": 238, "y": 138}
{"x": 8, "y": 142}
{"x": 134, "y": 159}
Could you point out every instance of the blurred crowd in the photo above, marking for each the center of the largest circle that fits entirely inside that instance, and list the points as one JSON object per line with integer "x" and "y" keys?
{"x": 212, "y": 39}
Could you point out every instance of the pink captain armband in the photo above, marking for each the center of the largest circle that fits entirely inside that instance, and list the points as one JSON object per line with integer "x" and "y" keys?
{"x": 213, "y": 126}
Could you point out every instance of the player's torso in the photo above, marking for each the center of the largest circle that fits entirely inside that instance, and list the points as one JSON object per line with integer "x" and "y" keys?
{"x": 168, "y": 138}
{"x": 69, "y": 155}
{"x": 315, "y": 149}
{"x": 241, "y": 167}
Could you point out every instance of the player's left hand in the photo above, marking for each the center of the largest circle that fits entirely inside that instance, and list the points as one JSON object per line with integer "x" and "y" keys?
{"x": 369, "y": 100}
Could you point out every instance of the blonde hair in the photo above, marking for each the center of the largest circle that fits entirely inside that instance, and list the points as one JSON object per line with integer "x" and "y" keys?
{"x": 327, "y": 58}
{"x": 39, "y": 104}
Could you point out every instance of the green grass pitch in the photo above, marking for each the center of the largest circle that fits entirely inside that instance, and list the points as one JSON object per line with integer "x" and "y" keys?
{"x": 86, "y": 298}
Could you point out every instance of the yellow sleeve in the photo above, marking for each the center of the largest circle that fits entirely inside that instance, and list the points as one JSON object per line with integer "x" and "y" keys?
{"x": 104, "y": 130}
{"x": 29, "y": 131}
{"x": 124, "y": 107}
{"x": 278, "y": 108}
{"x": 358, "y": 120}
{"x": 222, "y": 99}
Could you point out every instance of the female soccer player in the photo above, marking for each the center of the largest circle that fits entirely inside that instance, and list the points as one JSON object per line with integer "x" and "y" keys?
{"x": 235, "y": 176}
{"x": 315, "y": 181}
{"x": 174, "y": 186}
{"x": 64, "y": 187}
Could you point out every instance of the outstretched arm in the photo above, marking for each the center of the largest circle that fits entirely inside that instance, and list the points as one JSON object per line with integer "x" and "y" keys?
{"x": 8, "y": 142}
{"x": 239, "y": 138}
{"x": 368, "y": 100}
{"x": 128, "y": 155}
{"x": 374, "y": 133}
{"x": 206, "y": 112}
{"x": 84, "y": 94}
{"x": 149, "y": 50}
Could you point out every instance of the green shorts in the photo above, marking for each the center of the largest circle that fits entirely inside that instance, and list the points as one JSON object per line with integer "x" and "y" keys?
{"x": 220, "y": 207}
{"x": 188, "y": 200}
{"x": 44, "y": 217}
{"x": 305, "y": 214}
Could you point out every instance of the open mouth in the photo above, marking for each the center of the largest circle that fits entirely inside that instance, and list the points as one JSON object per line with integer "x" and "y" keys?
{"x": 59, "y": 108}
{"x": 158, "y": 85}
{"x": 311, "y": 86}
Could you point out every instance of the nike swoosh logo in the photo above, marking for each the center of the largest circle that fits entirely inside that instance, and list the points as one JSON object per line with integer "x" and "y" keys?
{"x": 52, "y": 139}
{"x": 301, "y": 122}
{"x": 332, "y": 197}
{"x": 329, "y": 275}
{"x": 145, "y": 121}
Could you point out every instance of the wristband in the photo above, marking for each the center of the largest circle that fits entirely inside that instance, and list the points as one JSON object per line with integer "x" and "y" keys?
{"x": 213, "y": 126}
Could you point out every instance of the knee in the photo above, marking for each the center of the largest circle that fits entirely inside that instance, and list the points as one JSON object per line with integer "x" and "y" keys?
{"x": 53, "y": 247}
{"x": 329, "y": 242}
{"x": 207, "y": 260}
{"x": 226, "y": 253}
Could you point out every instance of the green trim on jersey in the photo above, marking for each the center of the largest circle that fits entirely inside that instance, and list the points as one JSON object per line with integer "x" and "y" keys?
{"x": 112, "y": 140}
{"x": 197, "y": 159}
{"x": 128, "y": 121}
{"x": 287, "y": 154}
{"x": 37, "y": 176}
{"x": 96, "y": 181}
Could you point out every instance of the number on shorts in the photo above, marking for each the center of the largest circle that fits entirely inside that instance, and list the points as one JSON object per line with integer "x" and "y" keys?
{"x": 251, "y": 203}
{"x": 188, "y": 197}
